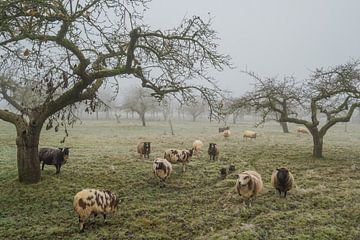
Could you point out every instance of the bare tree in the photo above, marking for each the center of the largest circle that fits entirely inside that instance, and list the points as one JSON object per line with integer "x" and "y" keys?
{"x": 195, "y": 108}
{"x": 139, "y": 100}
{"x": 333, "y": 92}
{"x": 62, "y": 51}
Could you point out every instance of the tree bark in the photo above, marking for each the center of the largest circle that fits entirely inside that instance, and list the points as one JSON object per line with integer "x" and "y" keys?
{"x": 142, "y": 117}
{"x": 27, "y": 143}
{"x": 318, "y": 144}
{"x": 285, "y": 127}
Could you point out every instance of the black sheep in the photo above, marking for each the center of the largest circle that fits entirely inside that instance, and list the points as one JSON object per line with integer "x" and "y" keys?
{"x": 53, "y": 156}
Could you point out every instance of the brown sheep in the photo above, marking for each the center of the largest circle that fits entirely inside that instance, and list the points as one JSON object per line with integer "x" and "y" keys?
{"x": 214, "y": 151}
{"x": 282, "y": 180}
{"x": 143, "y": 148}
{"x": 94, "y": 201}
{"x": 162, "y": 169}
{"x": 248, "y": 185}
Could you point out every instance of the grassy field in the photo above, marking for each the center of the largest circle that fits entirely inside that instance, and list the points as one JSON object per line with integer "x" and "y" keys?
{"x": 197, "y": 204}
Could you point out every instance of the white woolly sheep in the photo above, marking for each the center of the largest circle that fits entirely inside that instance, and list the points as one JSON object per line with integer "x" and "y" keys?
{"x": 249, "y": 134}
{"x": 248, "y": 185}
{"x": 181, "y": 156}
{"x": 143, "y": 148}
{"x": 282, "y": 180}
{"x": 226, "y": 133}
{"x": 300, "y": 130}
{"x": 197, "y": 145}
{"x": 162, "y": 169}
{"x": 94, "y": 201}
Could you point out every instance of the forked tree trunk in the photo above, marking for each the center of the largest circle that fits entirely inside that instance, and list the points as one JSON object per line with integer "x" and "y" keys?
{"x": 318, "y": 144}
{"x": 27, "y": 143}
{"x": 285, "y": 127}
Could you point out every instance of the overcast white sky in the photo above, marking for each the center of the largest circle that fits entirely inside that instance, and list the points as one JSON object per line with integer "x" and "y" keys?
{"x": 272, "y": 37}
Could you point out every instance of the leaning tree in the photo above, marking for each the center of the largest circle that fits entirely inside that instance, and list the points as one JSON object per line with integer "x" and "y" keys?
{"x": 333, "y": 93}
{"x": 55, "y": 53}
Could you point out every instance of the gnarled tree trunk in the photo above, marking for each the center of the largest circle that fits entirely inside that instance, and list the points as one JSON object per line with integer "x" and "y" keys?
{"x": 27, "y": 143}
{"x": 142, "y": 117}
{"x": 318, "y": 143}
{"x": 285, "y": 127}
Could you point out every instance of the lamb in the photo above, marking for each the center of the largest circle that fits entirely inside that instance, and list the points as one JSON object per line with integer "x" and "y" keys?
{"x": 282, "y": 180}
{"x": 249, "y": 134}
{"x": 300, "y": 130}
{"x": 53, "y": 156}
{"x": 213, "y": 151}
{"x": 223, "y": 129}
{"x": 162, "y": 169}
{"x": 182, "y": 156}
{"x": 197, "y": 145}
{"x": 224, "y": 171}
{"x": 248, "y": 185}
{"x": 144, "y": 149}
{"x": 226, "y": 133}
{"x": 94, "y": 201}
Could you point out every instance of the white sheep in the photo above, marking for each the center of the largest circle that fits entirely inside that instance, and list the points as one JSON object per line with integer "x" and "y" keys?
{"x": 197, "y": 145}
{"x": 94, "y": 201}
{"x": 162, "y": 169}
{"x": 248, "y": 185}
{"x": 226, "y": 133}
{"x": 249, "y": 134}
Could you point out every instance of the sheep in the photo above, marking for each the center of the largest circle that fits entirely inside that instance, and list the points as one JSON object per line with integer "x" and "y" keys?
{"x": 94, "y": 201}
{"x": 213, "y": 151}
{"x": 226, "y": 133}
{"x": 248, "y": 185}
{"x": 223, "y": 129}
{"x": 162, "y": 169}
{"x": 249, "y": 134}
{"x": 197, "y": 145}
{"x": 143, "y": 148}
{"x": 224, "y": 171}
{"x": 282, "y": 180}
{"x": 300, "y": 130}
{"x": 182, "y": 156}
{"x": 53, "y": 156}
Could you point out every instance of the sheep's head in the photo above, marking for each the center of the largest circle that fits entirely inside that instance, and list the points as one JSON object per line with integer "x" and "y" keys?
{"x": 159, "y": 165}
{"x": 212, "y": 145}
{"x": 282, "y": 173}
{"x": 147, "y": 146}
{"x": 65, "y": 152}
{"x": 243, "y": 179}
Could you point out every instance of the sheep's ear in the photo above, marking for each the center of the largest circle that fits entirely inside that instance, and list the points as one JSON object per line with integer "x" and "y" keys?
{"x": 277, "y": 169}
{"x": 60, "y": 149}
{"x": 246, "y": 177}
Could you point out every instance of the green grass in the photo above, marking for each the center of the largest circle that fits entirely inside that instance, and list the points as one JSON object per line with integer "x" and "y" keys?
{"x": 196, "y": 204}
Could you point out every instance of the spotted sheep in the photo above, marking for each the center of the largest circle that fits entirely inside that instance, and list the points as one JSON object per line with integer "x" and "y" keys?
{"x": 213, "y": 151}
{"x": 179, "y": 156}
{"x": 53, "y": 156}
{"x": 162, "y": 169}
{"x": 223, "y": 129}
{"x": 249, "y": 134}
{"x": 94, "y": 201}
{"x": 282, "y": 180}
{"x": 248, "y": 185}
{"x": 144, "y": 149}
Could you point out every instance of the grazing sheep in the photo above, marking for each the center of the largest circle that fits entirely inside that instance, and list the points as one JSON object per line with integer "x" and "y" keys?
{"x": 300, "y": 130}
{"x": 282, "y": 180}
{"x": 94, "y": 201}
{"x": 144, "y": 149}
{"x": 197, "y": 145}
{"x": 162, "y": 169}
{"x": 182, "y": 156}
{"x": 248, "y": 185}
{"x": 53, "y": 156}
{"x": 226, "y": 133}
{"x": 231, "y": 168}
{"x": 224, "y": 171}
{"x": 249, "y": 134}
{"x": 213, "y": 151}
{"x": 223, "y": 129}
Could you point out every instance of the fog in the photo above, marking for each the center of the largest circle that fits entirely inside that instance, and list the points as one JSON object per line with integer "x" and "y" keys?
{"x": 271, "y": 38}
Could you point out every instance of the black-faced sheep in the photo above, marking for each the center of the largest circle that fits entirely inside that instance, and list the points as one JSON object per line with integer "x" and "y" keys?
{"x": 223, "y": 129}
{"x": 53, "y": 156}
{"x": 249, "y": 134}
{"x": 248, "y": 185}
{"x": 144, "y": 149}
{"x": 162, "y": 169}
{"x": 282, "y": 180}
{"x": 94, "y": 201}
{"x": 213, "y": 151}
{"x": 179, "y": 156}
{"x": 226, "y": 170}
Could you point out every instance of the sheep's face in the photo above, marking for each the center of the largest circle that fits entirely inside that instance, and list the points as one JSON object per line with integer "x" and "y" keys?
{"x": 65, "y": 152}
{"x": 147, "y": 146}
{"x": 191, "y": 152}
{"x": 282, "y": 173}
{"x": 212, "y": 146}
{"x": 243, "y": 179}
{"x": 159, "y": 165}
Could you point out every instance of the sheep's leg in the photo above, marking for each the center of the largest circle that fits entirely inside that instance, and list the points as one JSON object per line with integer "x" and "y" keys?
{"x": 42, "y": 168}
{"x": 57, "y": 168}
{"x": 104, "y": 215}
{"x": 285, "y": 194}
{"x": 81, "y": 224}
{"x": 95, "y": 215}
{"x": 279, "y": 191}
{"x": 183, "y": 168}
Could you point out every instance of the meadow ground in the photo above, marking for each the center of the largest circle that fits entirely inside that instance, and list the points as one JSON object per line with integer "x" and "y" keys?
{"x": 197, "y": 204}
